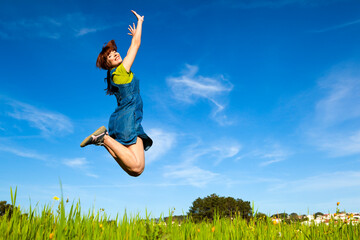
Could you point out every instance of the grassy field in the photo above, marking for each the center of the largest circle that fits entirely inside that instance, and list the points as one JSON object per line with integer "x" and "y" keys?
{"x": 56, "y": 223}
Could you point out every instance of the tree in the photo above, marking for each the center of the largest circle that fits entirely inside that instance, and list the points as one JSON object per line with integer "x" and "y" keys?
{"x": 206, "y": 208}
{"x": 177, "y": 218}
{"x": 318, "y": 214}
{"x": 260, "y": 216}
{"x": 280, "y": 215}
{"x": 294, "y": 217}
{"x": 5, "y": 207}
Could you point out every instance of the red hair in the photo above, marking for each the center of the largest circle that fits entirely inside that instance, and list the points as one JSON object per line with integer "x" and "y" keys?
{"x": 102, "y": 63}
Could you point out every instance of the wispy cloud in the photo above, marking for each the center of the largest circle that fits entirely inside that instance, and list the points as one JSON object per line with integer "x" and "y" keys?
{"x": 76, "y": 162}
{"x": 269, "y": 153}
{"x": 84, "y": 31}
{"x": 80, "y": 164}
{"x": 26, "y": 153}
{"x": 266, "y": 163}
{"x": 190, "y": 175}
{"x": 341, "y": 96}
{"x": 217, "y": 151}
{"x": 189, "y": 87}
{"x": 274, "y": 156}
{"x": 334, "y": 125}
{"x": 248, "y": 4}
{"x": 49, "y": 123}
{"x": 221, "y": 151}
{"x": 280, "y": 3}
{"x": 163, "y": 142}
{"x": 74, "y": 24}
{"x": 264, "y": 3}
{"x": 339, "y": 26}
{"x": 335, "y": 142}
{"x": 323, "y": 182}
{"x": 188, "y": 170}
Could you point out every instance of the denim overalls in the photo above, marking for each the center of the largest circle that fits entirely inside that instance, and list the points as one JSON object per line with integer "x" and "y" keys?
{"x": 125, "y": 122}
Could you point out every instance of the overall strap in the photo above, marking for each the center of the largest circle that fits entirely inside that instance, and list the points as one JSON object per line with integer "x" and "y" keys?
{"x": 110, "y": 75}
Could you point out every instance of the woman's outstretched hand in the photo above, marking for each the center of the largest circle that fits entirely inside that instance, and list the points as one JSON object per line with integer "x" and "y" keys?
{"x": 135, "y": 32}
{"x": 132, "y": 30}
{"x": 139, "y": 18}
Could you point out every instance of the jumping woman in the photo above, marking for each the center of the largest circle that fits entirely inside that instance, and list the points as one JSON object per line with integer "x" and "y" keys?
{"x": 126, "y": 139}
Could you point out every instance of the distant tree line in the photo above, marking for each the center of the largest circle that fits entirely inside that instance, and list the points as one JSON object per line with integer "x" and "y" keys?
{"x": 205, "y": 209}
{"x": 293, "y": 217}
{"x": 223, "y": 207}
{"x": 4, "y": 207}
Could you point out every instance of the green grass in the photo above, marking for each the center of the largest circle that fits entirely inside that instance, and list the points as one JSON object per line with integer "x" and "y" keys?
{"x": 54, "y": 223}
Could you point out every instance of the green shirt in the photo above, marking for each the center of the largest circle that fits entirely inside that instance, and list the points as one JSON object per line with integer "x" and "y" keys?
{"x": 121, "y": 76}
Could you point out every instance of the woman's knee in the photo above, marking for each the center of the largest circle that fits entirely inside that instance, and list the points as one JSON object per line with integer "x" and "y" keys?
{"x": 136, "y": 171}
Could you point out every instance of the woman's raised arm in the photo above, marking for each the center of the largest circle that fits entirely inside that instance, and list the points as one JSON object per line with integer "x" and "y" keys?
{"x": 135, "y": 32}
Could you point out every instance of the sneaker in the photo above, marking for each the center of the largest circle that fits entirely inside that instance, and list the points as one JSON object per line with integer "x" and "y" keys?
{"x": 96, "y": 138}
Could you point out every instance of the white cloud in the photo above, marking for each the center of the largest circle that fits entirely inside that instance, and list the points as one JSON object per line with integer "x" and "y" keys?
{"x": 223, "y": 151}
{"x": 264, "y": 3}
{"x": 323, "y": 182}
{"x": 273, "y": 156}
{"x": 74, "y": 24}
{"x": 80, "y": 164}
{"x": 217, "y": 151}
{"x": 341, "y": 99}
{"x": 338, "y": 144}
{"x": 49, "y": 123}
{"x": 266, "y": 163}
{"x": 76, "y": 162}
{"x": 190, "y": 87}
{"x": 245, "y": 4}
{"x": 26, "y": 153}
{"x": 334, "y": 125}
{"x": 270, "y": 153}
{"x": 190, "y": 175}
{"x": 283, "y": 3}
{"x": 188, "y": 172}
{"x": 92, "y": 175}
{"x": 339, "y": 26}
{"x": 163, "y": 142}
{"x": 84, "y": 31}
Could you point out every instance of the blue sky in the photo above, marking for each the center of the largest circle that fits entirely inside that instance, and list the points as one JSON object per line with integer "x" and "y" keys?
{"x": 258, "y": 100}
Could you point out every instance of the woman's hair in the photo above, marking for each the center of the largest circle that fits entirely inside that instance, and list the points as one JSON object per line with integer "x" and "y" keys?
{"x": 102, "y": 63}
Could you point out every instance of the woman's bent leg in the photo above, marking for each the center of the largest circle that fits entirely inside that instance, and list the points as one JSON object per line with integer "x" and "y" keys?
{"x": 130, "y": 158}
{"x": 110, "y": 151}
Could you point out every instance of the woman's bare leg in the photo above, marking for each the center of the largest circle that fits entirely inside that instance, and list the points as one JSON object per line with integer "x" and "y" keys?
{"x": 110, "y": 151}
{"x": 130, "y": 158}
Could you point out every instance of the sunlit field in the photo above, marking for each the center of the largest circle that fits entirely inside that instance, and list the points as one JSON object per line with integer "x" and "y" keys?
{"x": 63, "y": 220}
